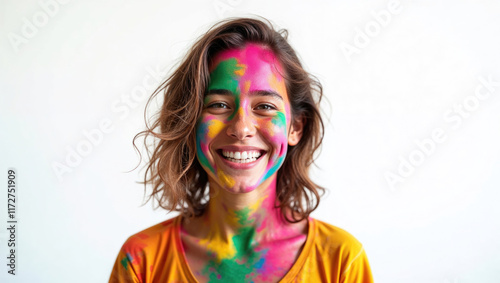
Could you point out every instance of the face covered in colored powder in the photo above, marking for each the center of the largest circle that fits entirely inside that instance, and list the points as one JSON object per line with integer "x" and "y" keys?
{"x": 242, "y": 135}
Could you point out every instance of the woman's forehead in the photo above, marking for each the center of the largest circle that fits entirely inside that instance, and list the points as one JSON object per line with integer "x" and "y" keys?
{"x": 250, "y": 56}
{"x": 250, "y": 69}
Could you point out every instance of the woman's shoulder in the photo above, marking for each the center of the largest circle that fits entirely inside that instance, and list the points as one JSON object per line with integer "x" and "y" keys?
{"x": 155, "y": 235}
{"x": 335, "y": 237}
{"x": 336, "y": 253}
{"x": 155, "y": 252}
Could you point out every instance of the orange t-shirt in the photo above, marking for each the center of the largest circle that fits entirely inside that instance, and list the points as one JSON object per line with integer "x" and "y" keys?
{"x": 330, "y": 254}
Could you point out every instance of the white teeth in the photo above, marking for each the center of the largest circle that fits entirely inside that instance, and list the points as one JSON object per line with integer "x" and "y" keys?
{"x": 241, "y": 156}
{"x": 242, "y": 160}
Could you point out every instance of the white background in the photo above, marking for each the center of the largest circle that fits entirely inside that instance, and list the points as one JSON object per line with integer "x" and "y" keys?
{"x": 75, "y": 68}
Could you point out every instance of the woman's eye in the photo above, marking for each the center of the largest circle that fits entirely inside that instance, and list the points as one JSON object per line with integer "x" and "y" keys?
{"x": 265, "y": 107}
{"x": 218, "y": 105}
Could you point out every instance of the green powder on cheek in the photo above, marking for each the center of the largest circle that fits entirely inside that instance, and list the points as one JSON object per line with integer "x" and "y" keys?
{"x": 202, "y": 129}
{"x": 279, "y": 120}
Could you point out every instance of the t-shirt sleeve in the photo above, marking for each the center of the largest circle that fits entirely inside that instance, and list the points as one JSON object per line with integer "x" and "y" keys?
{"x": 150, "y": 256}
{"x": 123, "y": 270}
{"x": 339, "y": 256}
{"x": 357, "y": 269}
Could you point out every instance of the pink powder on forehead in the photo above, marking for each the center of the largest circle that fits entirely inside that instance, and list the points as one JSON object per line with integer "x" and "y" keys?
{"x": 250, "y": 54}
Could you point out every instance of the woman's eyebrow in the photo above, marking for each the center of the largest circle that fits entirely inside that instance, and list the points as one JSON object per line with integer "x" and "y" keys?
{"x": 272, "y": 93}
{"x": 219, "y": 92}
{"x": 224, "y": 92}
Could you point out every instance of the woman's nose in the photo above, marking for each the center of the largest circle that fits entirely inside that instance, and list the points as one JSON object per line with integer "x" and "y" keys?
{"x": 241, "y": 126}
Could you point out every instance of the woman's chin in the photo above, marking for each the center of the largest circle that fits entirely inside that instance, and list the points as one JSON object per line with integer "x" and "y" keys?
{"x": 241, "y": 188}
{"x": 238, "y": 185}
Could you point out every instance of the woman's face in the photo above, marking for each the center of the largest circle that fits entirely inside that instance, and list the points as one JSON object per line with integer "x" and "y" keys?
{"x": 242, "y": 135}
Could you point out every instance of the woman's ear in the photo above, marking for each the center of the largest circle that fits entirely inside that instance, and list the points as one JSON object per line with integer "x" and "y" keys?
{"x": 296, "y": 129}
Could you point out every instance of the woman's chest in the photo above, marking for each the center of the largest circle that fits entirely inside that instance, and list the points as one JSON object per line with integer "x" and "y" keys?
{"x": 241, "y": 260}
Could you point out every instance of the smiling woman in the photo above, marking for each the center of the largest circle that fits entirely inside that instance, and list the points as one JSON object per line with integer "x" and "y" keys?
{"x": 236, "y": 136}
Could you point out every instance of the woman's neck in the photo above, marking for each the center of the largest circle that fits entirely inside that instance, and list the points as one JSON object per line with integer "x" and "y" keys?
{"x": 242, "y": 237}
{"x": 253, "y": 213}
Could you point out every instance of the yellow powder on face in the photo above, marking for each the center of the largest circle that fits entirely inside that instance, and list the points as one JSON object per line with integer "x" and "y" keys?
{"x": 241, "y": 112}
{"x": 278, "y": 84}
{"x": 225, "y": 179}
{"x": 270, "y": 127}
{"x": 214, "y": 128}
{"x": 246, "y": 86}
{"x": 241, "y": 69}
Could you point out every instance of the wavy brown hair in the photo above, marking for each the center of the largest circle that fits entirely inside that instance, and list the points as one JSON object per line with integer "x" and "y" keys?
{"x": 178, "y": 181}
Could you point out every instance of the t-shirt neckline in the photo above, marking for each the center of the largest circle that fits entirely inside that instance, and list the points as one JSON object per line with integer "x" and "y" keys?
{"x": 291, "y": 274}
